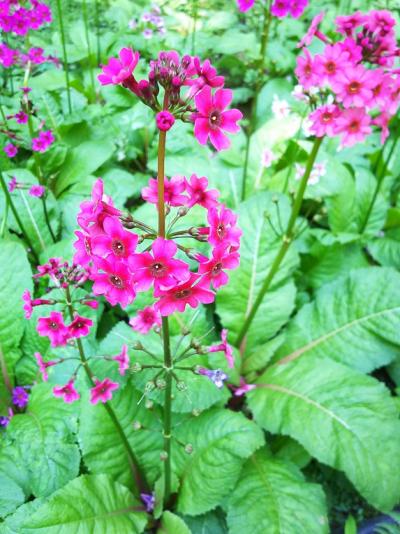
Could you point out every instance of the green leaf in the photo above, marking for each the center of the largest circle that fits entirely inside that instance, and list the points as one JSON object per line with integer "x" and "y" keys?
{"x": 330, "y": 409}
{"x": 386, "y": 248}
{"x": 44, "y": 441}
{"x": 102, "y": 448}
{"x": 172, "y": 524}
{"x": 352, "y": 320}
{"x": 13, "y": 523}
{"x": 211, "y": 522}
{"x": 272, "y": 496}
{"x": 221, "y": 439}
{"x": 258, "y": 249}
{"x": 88, "y": 504}
{"x": 11, "y": 495}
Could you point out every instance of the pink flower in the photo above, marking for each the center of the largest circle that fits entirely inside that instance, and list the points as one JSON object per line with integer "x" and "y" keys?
{"x": 211, "y": 119}
{"x": 267, "y": 157}
{"x": 102, "y": 391}
{"x": 123, "y": 360}
{"x": 353, "y": 86}
{"x": 43, "y": 141}
{"x": 117, "y": 71}
{"x": 207, "y": 75}
{"x": 354, "y": 124}
{"x": 224, "y": 347}
{"x": 83, "y": 254}
{"x": 28, "y": 304}
{"x": 280, "y": 8}
{"x": 115, "y": 241}
{"x": 11, "y": 150}
{"x": 381, "y": 89}
{"x": 245, "y": 5}
{"x": 243, "y": 388}
{"x": 159, "y": 267}
{"x": 223, "y": 227}
{"x": 346, "y": 24}
{"x": 176, "y": 298}
{"x": 212, "y": 270}
{"x": 94, "y": 211}
{"x": 165, "y": 120}
{"x": 306, "y": 71}
{"x": 334, "y": 59}
{"x": 51, "y": 268}
{"x": 80, "y": 326}
{"x": 324, "y": 120}
{"x": 54, "y": 328}
{"x": 352, "y": 48}
{"x": 115, "y": 282}
{"x": 43, "y": 365}
{"x": 198, "y": 194}
{"x": 67, "y": 392}
{"x": 37, "y": 191}
{"x": 145, "y": 320}
{"x": 313, "y": 31}
{"x": 172, "y": 191}
{"x": 21, "y": 117}
{"x": 297, "y": 7}
{"x": 91, "y": 304}
{"x": 12, "y": 184}
{"x": 382, "y": 120}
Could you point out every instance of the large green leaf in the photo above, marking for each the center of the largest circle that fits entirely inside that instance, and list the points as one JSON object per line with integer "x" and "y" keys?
{"x": 343, "y": 418}
{"x": 258, "y": 249}
{"x": 221, "y": 439}
{"x": 43, "y": 441}
{"x": 272, "y": 496}
{"x": 354, "y": 320}
{"x": 172, "y": 524}
{"x": 88, "y": 505}
{"x": 385, "y": 249}
{"x": 11, "y": 495}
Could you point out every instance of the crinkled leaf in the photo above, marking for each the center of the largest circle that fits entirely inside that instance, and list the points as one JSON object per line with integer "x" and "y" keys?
{"x": 11, "y": 495}
{"x": 172, "y": 524}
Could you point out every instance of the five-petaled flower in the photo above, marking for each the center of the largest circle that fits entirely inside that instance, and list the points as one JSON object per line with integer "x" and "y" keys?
{"x": 102, "y": 391}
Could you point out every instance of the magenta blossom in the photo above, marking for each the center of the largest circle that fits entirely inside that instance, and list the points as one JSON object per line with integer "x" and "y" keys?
{"x": 94, "y": 211}
{"x": 313, "y": 31}
{"x": 43, "y": 141}
{"x": 354, "y": 125}
{"x": 54, "y": 328}
{"x": 223, "y": 227}
{"x": 83, "y": 254}
{"x": 37, "y": 191}
{"x": 323, "y": 120}
{"x": 212, "y": 270}
{"x": 198, "y": 194}
{"x": 80, "y": 326}
{"x": 118, "y": 70}
{"x": 115, "y": 241}
{"x": 165, "y": 120}
{"x": 145, "y": 320}
{"x": 212, "y": 119}
{"x": 160, "y": 267}
{"x": 245, "y": 5}
{"x": 43, "y": 366}
{"x": 123, "y": 360}
{"x": 173, "y": 190}
{"x": 21, "y": 117}
{"x": 114, "y": 282}
{"x": 353, "y": 86}
{"x": 19, "y": 397}
{"x": 224, "y": 347}
{"x": 333, "y": 61}
{"x": 102, "y": 391}
{"x": 306, "y": 70}
{"x": 10, "y": 150}
{"x": 243, "y": 388}
{"x": 67, "y": 392}
{"x": 188, "y": 293}
{"x": 207, "y": 75}
{"x": 12, "y": 184}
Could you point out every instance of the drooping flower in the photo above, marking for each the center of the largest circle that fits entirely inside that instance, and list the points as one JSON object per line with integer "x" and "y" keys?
{"x": 159, "y": 267}
{"x": 93, "y": 212}
{"x": 115, "y": 241}
{"x": 145, "y": 320}
{"x": 243, "y": 388}
{"x": 12, "y": 184}
{"x": 223, "y": 229}
{"x": 102, "y": 391}
{"x": 123, "y": 360}
{"x": 224, "y": 347}
{"x": 198, "y": 194}
{"x": 19, "y": 397}
{"x": 216, "y": 376}
{"x": 173, "y": 190}
{"x": 177, "y": 298}
{"x": 313, "y": 31}
{"x": 212, "y": 118}
{"x": 67, "y": 392}
{"x": 10, "y": 150}
{"x": 80, "y": 326}
{"x": 113, "y": 280}
{"x": 43, "y": 365}
{"x": 54, "y": 328}
{"x": 37, "y": 191}
{"x": 118, "y": 70}
{"x": 212, "y": 269}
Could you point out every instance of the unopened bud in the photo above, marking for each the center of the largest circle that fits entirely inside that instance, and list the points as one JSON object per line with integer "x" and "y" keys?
{"x": 149, "y": 386}
{"x": 189, "y": 448}
{"x": 161, "y": 383}
{"x": 137, "y": 346}
{"x": 194, "y": 231}
{"x": 136, "y": 368}
{"x": 163, "y": 456}
{"x": 137, "y": 425}
{"x": 181, "y": 386}
{"x": 149, "y": 404}
{"x": 196, "y": 412}
{"x": 182, "y": 211}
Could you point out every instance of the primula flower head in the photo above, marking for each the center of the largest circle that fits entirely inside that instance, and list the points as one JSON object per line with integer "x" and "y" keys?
{"x": 54, "y": 328}
{"x": 43, "y": 141}
{"x": 198, "y": 194}
{"x": 113, "y": 280}
{"x": 115, "y": 241}
{"x": 67, "y": 392}
{"x": 213, "y": 269}
{"x": 118, "y": 70}
{"x": 80, "y": 326}
{"x": 145, "y": 320}
{"x": 187, "y": 293}
{"x": 102, "y": 391}
{"x": 223, "y": 227}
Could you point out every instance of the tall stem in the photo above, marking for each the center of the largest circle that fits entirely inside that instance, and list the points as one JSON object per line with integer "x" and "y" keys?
{"x": 89, "y": 51}
{"x": 18, "y": 220}
{"x": 140, "y": 481}
{"x": 260, "y": 78}
{"x": 65, "y": 56}
{"x": 97, "y": 22}
{"x": 165, "y": 327}
{"x": 379, "y": 180}
{"x": 195, "y": 14}
{"x": 286, "y": 241}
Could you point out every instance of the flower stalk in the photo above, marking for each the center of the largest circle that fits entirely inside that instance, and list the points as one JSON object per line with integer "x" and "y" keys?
{"x": 65, "y": 56}
{"x": 286, "y": 242}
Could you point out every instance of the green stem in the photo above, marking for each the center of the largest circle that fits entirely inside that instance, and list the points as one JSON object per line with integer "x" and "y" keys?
{"x": 97, "y": 22}
{"x": 140, "y": 482}
{"x": 259, "y": 81}
{"x": 89, "y": 51}
{"x": 286, "y": 241}
{"x": 4, "y": 221}
{"x": 18, "y": 220}
{"x": 165, "y": 327}
{"x": 379, "y": 181}
{"x": 3, "y": 115}
{"x": 65, "y": 56}
{"x": 195, "y": 13}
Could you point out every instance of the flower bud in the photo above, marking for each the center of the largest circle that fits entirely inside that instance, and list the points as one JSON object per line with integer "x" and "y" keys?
{"x": 136, "y": 367}
{"x": 189, "y": 448}
{"x": 181, "y": 386}
{"x": 163, "y": 456}
{"x": 149, "y": 387}
{"x": 161, "y": 383}
{"x": 137, "y": 425}
{"x": 164, "y": 120}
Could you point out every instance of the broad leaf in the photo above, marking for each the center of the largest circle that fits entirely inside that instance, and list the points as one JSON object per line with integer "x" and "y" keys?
{"x": 272, "y": 496}
{"x": 88, "y": 504}
{"x": 172, "y": 524}
{"x": 331, "y": 409}
{"x": 221, "y": 439}
{"x": 354, "y": 320}
{"x": 258, "y": 249}
{"x": 385, "y": 249}
{"x": 11, "y": 495}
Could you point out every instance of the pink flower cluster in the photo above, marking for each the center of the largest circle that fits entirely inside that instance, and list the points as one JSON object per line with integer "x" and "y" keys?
{"x": 279, "y": 8}
{"x": 197, "y": 104}
{"x": 20, "y": 17}
{"x": 119, "y": 270}
{"x": 10, "y": 56}
{"x": 354, "y": 79}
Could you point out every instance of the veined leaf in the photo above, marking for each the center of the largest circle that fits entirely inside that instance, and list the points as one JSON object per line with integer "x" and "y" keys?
{"x": 354, "y": 320}
{"x": 221, "y": 439}
{"x": 258, "y": 249}
{"x": 172, "y": 524}
{"x": 272, "y": 496}
{"x": 341, "y": 417}
{"x": 88, "y": 504}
